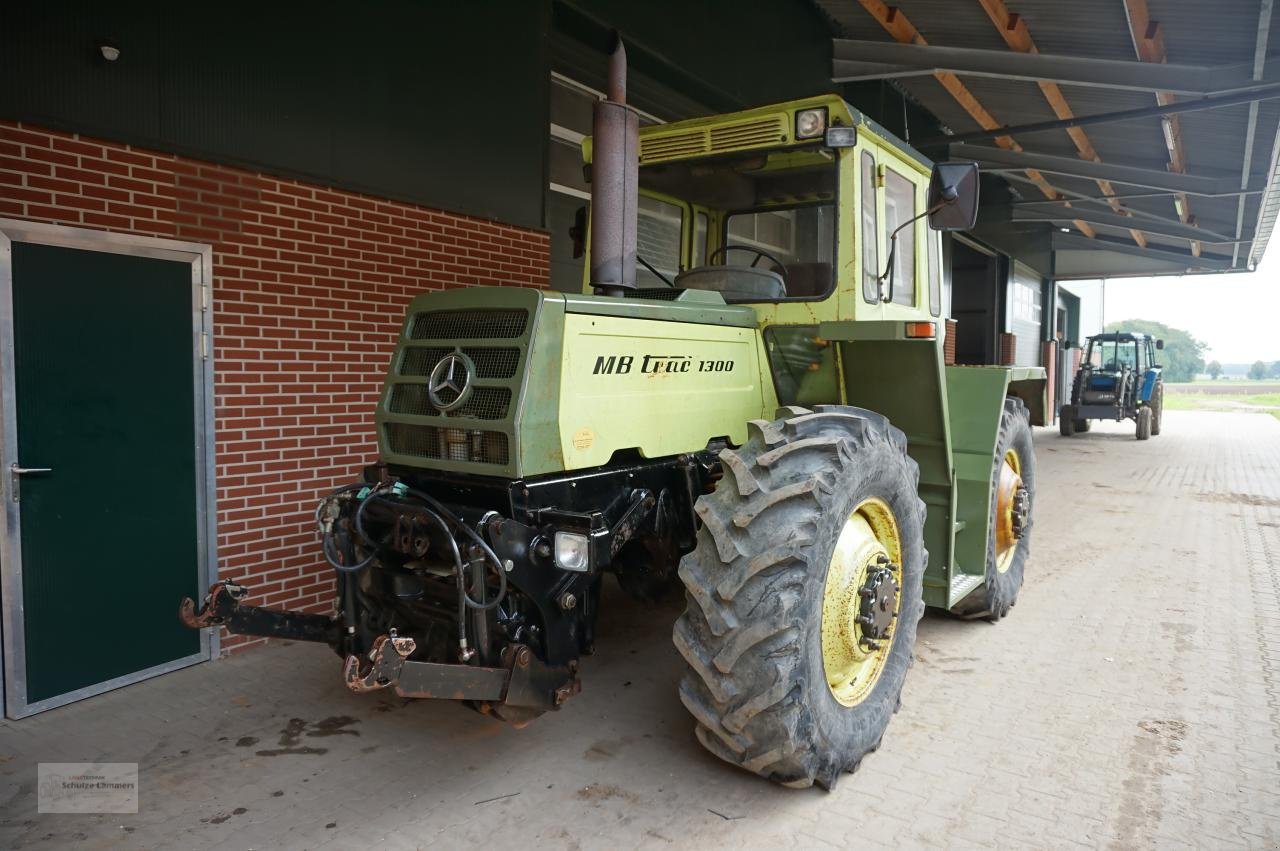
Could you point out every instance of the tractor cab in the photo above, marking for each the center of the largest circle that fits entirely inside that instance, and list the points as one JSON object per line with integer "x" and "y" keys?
{"x": 805, "y": 210}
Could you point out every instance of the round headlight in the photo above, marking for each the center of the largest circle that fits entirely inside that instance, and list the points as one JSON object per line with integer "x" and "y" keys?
{"x": 811, "y": 123}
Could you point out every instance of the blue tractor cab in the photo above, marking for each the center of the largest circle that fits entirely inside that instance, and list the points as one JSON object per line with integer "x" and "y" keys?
{"x": 1118, "y": 379}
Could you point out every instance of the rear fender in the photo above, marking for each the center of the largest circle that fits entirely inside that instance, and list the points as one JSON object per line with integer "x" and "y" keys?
{"x": 903, "y": 380}
{"x": 976, "y": 397}
{"x": 1148, "y": 390}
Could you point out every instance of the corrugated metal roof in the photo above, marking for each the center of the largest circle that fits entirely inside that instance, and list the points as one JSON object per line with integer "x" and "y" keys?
{"x": 1221, "y": 33}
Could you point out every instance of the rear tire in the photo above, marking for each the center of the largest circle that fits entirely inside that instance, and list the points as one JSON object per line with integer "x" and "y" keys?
{"x": 1067, "y": 422}
{"x": 1144, "y": 423}
{"x": 1003, "y": 579}
{"x": 752, "y": 633}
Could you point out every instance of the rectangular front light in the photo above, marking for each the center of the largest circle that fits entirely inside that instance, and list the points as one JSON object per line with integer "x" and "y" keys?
{"x": 811, "y": 123}
{"x": 572, "y": 552}
{"x": 841, "y": 137}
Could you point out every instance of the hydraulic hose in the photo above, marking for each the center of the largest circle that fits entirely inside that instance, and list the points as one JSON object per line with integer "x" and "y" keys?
{"x": 471, "y": 533}
{"x": 442, "y": 518}
{"x": 326, "y": 538}
{"x": 438, "y": 514}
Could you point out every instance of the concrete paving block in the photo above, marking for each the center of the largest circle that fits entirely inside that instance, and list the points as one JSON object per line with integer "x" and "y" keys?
{"x": 1125, "y": 702}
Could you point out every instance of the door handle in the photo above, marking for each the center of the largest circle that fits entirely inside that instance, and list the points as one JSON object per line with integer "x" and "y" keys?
{"x": 15, "y": 471}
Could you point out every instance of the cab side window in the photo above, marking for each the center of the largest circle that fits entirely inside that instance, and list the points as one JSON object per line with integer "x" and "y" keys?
{"x": 700, "y": 230}
{"x": 869, "y": 235}
{"x": 900, "y": 207}
{"x": 658, "y": 225}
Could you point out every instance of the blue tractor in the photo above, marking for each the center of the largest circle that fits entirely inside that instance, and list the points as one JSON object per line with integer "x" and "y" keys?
{"x": 1118, "y": 379}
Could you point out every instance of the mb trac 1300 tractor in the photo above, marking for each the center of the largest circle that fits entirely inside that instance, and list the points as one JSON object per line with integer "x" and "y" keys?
{"x": 748, "y": 399}
{"x": 1118, "y": 379}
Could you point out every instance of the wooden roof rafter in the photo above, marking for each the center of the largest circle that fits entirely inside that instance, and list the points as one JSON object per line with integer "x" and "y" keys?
{"x": 897, "y": 25}
{"x": 1148, "y": 41}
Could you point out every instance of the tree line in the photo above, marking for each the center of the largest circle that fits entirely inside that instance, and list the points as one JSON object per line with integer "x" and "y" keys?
{"x": 1258, "y": 371}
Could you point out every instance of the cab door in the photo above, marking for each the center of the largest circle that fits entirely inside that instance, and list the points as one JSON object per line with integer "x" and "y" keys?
{"x": 891, "y": 191}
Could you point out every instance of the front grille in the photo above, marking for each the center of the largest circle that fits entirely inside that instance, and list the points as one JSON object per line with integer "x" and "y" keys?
{"x": 448, "y": 444}
{"x": 468, "y": 324}
{"x": 478, "y": 431}
{"x": 496, "y": 363}
{"x": 486, "y": 403}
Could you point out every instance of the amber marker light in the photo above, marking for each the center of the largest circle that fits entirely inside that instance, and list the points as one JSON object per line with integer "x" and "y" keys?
{"x": 921, "y": 330}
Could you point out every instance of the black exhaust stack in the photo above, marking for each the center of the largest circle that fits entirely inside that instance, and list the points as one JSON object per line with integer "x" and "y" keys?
{"x": 615, "y": 179}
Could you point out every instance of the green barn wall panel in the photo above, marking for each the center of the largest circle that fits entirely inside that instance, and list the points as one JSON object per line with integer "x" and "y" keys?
{"x": 439, "y": 104}
{"x": 723, "y": 54}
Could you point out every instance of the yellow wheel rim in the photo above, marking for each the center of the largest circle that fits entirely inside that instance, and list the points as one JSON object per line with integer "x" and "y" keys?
{"x": 1008, "y": 531}
{"x": 861, "y": 601}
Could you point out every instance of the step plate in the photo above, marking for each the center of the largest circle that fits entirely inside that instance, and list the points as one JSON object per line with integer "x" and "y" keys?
{"x": 962, "y": 584}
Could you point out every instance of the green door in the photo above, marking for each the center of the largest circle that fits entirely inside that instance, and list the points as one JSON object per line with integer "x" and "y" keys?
{"x": 104, "y": 397}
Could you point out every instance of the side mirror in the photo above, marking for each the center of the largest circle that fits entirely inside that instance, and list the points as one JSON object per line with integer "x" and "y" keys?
{"x": 578, "y": 233}
{"x": 953, "y": 196}
{"x": 1160, "y": 344}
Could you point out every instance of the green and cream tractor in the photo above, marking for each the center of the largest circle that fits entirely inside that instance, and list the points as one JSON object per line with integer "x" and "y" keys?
{"x": 748, "y": 400}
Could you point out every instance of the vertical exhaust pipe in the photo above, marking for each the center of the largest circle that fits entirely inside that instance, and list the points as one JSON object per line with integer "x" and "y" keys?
{"x": 615, "y": 179}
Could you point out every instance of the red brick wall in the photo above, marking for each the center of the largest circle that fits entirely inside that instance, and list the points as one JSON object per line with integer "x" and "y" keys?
{"x": 309, "y": 288}
{"x": 949, "y": 342}
{"x": 1008, "y": 349}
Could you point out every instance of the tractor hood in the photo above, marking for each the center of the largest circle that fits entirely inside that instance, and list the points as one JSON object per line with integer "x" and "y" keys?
{"x": 511, "y": 382}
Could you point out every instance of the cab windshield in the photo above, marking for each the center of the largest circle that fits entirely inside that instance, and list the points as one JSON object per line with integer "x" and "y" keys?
{"x": 1113, "y": 355}
{"x": 763, "y": 225}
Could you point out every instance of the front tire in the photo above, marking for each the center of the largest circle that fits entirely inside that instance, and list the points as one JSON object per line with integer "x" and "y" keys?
{"x": 789, "y": 674}
{"x": 1157, "y": 409}
{"x": 1009, "y": 533}
{"x": 1067, "y": 422}
{"x": 1143, "y": 430}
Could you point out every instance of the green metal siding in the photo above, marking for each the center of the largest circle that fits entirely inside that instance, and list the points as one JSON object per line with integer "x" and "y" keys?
{"x": 724, "y": 55}
{"x": 440, "y": 104}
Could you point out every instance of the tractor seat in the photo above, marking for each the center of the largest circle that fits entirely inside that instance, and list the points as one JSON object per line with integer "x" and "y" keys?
{"x": 737, "y": 284}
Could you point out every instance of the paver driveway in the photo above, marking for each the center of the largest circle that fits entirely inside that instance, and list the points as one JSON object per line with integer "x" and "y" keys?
{"x": 1131, "y": 700}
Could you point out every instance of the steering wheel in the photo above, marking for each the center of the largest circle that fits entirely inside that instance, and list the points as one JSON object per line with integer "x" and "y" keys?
{"x": 759, "y": 253}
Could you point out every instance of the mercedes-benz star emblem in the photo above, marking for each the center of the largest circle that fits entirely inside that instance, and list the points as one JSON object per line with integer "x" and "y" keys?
{"x": 449, "y": 384}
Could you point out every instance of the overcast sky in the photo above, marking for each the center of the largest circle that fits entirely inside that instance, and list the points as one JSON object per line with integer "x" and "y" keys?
{"x": 1235, "y": 314}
